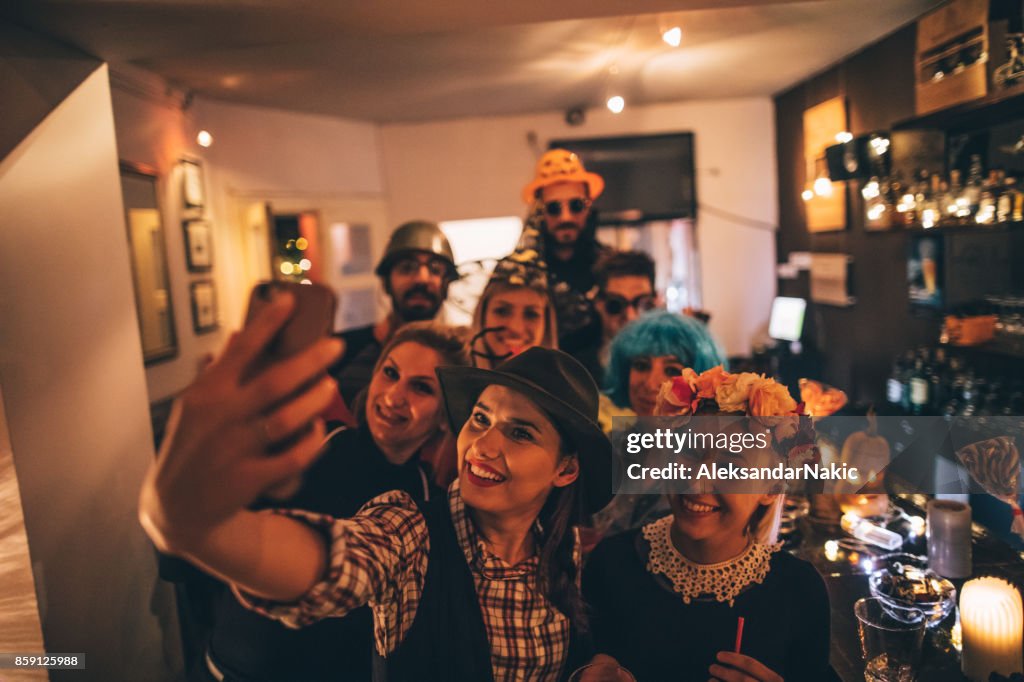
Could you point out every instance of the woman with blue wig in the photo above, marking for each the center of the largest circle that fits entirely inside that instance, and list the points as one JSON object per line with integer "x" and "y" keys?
{"x": 645, "y": 354}
{"x": 649, "y": 352}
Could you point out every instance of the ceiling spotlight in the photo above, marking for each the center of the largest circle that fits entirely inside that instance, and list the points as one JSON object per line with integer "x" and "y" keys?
{"x": 673, "y": 36}
{"x": 616, "y": 104}
{"x": 204, "y": 138}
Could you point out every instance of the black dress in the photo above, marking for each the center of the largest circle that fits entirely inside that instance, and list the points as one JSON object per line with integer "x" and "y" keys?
{"x": 638, "y": 619}
{"x": 248, "y": 647}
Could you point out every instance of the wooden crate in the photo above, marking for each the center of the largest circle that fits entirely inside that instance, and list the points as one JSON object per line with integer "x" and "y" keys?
{"x": 954, "y": 31}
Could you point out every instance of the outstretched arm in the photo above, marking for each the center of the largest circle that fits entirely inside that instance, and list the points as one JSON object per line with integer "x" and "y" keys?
{"x": 216, "y": 461}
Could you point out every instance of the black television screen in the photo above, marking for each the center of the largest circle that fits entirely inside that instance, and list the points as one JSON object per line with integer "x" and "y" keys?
{"x": 647, "y": 177}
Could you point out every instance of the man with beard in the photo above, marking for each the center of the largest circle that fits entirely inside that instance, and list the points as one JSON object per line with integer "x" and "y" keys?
{"x": 561, "y": 195}
{"x": 416, "y": 269}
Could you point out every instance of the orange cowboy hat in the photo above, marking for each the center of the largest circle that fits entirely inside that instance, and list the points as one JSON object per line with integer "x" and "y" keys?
{"x": 561, "y": 165}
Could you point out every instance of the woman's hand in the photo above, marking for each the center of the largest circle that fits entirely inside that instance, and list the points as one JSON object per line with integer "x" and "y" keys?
{"x": 214, "y": 461}
{"x": 733, "y": 667}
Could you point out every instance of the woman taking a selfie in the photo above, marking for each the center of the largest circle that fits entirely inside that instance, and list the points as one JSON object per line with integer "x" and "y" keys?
{"x": 514, "y": 311}
{"x": 668, "y": 598}
{"x": 450, "y": 582}
{"x": 403, "y": 413}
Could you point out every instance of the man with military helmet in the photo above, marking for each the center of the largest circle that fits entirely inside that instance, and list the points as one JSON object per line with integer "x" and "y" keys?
{"x": 415, "y": 270}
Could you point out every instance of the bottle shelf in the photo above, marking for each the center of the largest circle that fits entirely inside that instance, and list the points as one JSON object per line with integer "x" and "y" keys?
{"x": 995, "y": 228}
{"x": 984, "y": 112}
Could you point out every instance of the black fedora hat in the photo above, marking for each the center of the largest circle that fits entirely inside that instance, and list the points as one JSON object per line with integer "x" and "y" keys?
{"x": 559, "y": 385}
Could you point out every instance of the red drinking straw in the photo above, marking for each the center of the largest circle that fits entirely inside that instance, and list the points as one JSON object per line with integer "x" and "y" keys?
{"x": 739, "y": 633}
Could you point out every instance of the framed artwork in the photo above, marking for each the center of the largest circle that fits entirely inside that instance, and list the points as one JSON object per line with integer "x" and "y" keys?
{"x": 826, "y": 207}
{"x": 192, "y": 184}
{"x": 149, "y": 262}
{"x": 198, "y": 245}
{"x": 926, "y": 272}
{"x": 204, "y": 306}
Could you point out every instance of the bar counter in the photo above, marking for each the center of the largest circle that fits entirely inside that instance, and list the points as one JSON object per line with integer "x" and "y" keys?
{"x": 846, "y": 578}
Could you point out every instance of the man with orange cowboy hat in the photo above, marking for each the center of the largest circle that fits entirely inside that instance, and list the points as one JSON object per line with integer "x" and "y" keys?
{"x": 561, "y": 221}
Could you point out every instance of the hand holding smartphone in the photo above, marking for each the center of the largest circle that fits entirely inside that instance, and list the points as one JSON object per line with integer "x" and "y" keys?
{"x": 311, "y": 318}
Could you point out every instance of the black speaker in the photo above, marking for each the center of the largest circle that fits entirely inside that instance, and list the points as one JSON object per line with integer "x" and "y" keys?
{"x": 861, "y": 157}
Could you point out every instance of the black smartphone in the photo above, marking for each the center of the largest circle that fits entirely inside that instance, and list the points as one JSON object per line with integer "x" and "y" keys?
{"x": 312, "y": 318}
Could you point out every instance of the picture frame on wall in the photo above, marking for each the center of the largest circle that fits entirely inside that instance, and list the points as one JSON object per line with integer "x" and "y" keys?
{"x": 198, "y": 245}
{"x": 193, "y": 193}
{"x": 204, "y": 306}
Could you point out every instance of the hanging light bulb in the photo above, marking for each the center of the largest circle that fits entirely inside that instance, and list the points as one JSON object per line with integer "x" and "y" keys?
{"x": 616, "y": 104}
{"x": 673, "y": 36}
{"x": 823, "y": 187}
{"x": 204, "y": 138}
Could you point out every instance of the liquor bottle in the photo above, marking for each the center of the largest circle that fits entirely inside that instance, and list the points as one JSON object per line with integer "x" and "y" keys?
{"x": 1018, "y": 202}
{"x": 909, "y": 201}
{"x": 894, "y": 384}
{"x": 938, "y": 376}
{"x": 919, "y": 386}
{"x": 972, "y": 190}
{"x": 986, "y": 213}
{"x": 1007, "y": 200}
{"x": 958, "y": 207}
{"x": 928, "y": 202}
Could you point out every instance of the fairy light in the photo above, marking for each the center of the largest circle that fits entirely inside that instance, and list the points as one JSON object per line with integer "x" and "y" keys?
{"x": 844, "y": 137}
{"x": 831, "y": 550}
{"x": 673, "y": 36}
{"x": 616, "y": 104}
{"x": 823, "y": 187}
{"x": 807, "y": 195}
{"x": 287, "y": 267}
{"x": 871, "y": 190}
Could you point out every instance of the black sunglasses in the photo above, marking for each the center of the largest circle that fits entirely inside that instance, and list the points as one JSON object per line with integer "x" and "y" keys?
{"x": 616, "y": 305}
{"x": 576, "y": 206}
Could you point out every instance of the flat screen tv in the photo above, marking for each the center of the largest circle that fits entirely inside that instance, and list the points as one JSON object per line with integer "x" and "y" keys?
{"x": 647, "y": 177}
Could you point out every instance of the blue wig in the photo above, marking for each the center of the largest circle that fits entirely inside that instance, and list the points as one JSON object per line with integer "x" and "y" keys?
{"x": 655, "y": 334}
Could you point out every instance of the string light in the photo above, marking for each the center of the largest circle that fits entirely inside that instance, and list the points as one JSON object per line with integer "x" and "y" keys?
{"x": 673, "y": 36}
{"x": 616, "y": 104}
{"x": 844, "y": 137}
{"x": 204, "y": 138}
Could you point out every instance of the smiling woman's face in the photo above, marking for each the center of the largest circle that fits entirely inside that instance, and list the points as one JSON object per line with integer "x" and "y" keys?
{"x": 521, "y": 316}
{"x": 510, "y": 455}
{"x": 646, "y": 375}
{"x": 403, "y": 402}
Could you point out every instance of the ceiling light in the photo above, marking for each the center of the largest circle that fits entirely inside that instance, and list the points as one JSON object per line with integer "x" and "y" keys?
{"x": 204, "y": 138}
{"x": 673, "y": 36}
{"x": 616, "y": 104}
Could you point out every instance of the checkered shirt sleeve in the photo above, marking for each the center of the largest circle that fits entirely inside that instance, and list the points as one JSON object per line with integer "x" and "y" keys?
{"x": 377, "y": 557}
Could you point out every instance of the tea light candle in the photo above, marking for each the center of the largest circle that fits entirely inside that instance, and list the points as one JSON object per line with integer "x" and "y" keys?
{"x": 949, "y": 538}
{"x": 992, "y": 623}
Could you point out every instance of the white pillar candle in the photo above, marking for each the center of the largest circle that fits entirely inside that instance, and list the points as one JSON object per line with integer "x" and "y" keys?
{"x": 992, "y": 621}
{"x": 949, "y": 538}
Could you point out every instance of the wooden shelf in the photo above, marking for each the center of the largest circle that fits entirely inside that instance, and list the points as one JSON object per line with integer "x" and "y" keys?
{"x": 997, "y": 228}
{"x": 985, "y": 112}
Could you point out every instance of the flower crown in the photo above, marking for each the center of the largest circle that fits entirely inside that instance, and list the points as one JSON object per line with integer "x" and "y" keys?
{"x": 764, "y": 399}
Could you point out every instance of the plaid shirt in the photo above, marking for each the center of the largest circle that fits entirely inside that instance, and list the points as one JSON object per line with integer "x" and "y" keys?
{"x": 379, "y": 557}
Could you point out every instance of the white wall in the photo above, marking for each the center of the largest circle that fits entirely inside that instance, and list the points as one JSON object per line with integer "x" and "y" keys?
{"x": 475, "y": 168}
{"x": 257, "y": 153}
{"x": 75, "y": 390}
{"x": 301, "y": 161}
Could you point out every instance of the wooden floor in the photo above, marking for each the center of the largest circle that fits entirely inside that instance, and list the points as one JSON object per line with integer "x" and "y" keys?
{"x": 19, "y": 613}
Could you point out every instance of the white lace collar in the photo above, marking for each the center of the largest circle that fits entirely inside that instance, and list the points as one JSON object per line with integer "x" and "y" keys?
{"x": 723, "y": 581}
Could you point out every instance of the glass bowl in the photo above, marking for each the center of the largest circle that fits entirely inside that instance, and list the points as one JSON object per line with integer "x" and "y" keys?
{"x": 903, "y": 583}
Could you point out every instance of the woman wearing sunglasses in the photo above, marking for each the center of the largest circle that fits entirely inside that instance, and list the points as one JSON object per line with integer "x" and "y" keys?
{"x": 451, "y": 583}
{"x": 514, "y": 312}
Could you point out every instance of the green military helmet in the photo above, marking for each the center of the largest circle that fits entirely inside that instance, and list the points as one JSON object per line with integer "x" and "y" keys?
{"x": 417, "y": 236}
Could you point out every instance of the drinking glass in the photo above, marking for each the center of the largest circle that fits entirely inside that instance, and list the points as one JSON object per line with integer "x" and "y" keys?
{"x": 602, "y": 672}
{"x": 891, "y": 645}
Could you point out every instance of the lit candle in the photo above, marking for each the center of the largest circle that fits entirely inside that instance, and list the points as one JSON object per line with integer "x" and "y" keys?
{"x": 992, "y": 622}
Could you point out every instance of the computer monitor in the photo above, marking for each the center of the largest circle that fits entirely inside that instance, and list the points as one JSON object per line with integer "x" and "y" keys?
{"x": 787, "y": 320}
